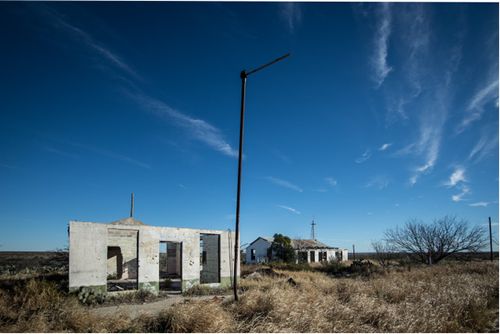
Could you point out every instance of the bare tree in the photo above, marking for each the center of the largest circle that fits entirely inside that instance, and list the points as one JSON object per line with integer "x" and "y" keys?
{"x": 430, "y": 243}
{"x": 384, "y": 252}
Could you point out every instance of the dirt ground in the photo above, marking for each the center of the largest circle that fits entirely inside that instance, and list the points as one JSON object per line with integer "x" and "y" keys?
{"x": 152, "y": 308}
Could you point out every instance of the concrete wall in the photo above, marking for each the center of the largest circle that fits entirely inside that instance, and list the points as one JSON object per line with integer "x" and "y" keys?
{"x": 260, "y": 246}
{"x": 88, "y": 254}
{"x": 345, "y": 254}
{"x": 331, "y": 254}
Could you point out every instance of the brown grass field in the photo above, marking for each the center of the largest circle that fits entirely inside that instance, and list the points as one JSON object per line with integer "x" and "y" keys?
{"x": 448, "y": 297}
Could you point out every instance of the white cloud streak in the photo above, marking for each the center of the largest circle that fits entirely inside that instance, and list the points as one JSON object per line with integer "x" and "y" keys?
{"x": 292, "y": 14}
{"x": 429, "y": 141}
{"x": 84, "y": 37}
{"x": 289, "y": 209}
{"x": 475, "y": 108}
{"x": 365, "y": 156}
{"x": 456, "y": 177}
{"x": 420, "y": 87}
{"x": 197, "y": 128}
{"x": 380, "y": 182}
{"x": 385, "y": 146}
{"x": 485, "y": 145}
{"x": 331, "y": 181}
{"x": 480, "y": 204}
{"x": 460, "y": 196}
{"x": 284, "y": 183}
{"x": 53, "y": 150}
{"x": 379, "y": 60}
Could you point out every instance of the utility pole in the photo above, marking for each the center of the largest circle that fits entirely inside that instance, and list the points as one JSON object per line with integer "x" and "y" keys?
{"x": 313, "y": 232}
{"x": 132, "y": 205}
{"x": 243, "y": 76}
{"x": 491, "y": 242}
{"x": 353, "y": 253}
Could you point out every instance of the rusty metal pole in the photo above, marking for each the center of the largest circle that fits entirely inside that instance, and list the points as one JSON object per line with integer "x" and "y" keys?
{"x": 243, "y": 75}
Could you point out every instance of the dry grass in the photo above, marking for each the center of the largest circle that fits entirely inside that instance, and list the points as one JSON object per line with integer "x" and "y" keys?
{"x": 453, "y": 297}
{"x": 39, "y": 306}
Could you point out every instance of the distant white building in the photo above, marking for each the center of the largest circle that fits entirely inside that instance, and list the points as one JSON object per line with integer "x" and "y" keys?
{"x": 307, "y": 250}
{"x": 256, "y": 252}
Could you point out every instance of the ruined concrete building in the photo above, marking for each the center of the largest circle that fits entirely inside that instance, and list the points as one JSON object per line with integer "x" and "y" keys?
{"x": 306, "y": 250}
{"x": 127, "y": 254}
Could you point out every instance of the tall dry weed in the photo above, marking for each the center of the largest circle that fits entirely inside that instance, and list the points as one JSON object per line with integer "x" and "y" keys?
{"x": 197, "y": 316}
{"x": 453, "y": 297}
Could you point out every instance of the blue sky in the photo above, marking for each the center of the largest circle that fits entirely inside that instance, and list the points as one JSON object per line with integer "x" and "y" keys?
{"x": 383, "y": 112}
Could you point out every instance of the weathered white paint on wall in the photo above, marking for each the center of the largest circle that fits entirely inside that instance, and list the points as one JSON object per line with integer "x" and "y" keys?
{"x": 149, "y": 256}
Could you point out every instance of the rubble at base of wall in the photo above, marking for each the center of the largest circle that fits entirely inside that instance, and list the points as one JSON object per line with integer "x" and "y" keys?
{"x": 152, "y": 287}
{"x": 90, "y": 294}
{"x": 189, "y": 283}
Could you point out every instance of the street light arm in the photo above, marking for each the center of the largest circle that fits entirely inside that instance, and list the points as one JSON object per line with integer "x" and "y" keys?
{"x": 246, "y": 74}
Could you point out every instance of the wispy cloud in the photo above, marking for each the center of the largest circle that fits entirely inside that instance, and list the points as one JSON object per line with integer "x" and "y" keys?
{"x": 456, "y": 177}
{"x": 475, "y": 108}
{"x": 464, "y": 190}
{"x": 283, "y": 183}
{"x": 53, "y": 150}
{"x": 112, "y": 155}
{"x": 421, "y": 86}
{"x": 379, "y": 59}
{"x": 365, "y": 156}
{"x": 292, "y": 14}
{"x": 331, "y": 181}
{"x": 197, "y": 128}
{"x": 458, "y": 180}
{"x": 385, "y": 146}
{"x": 289, "y": 209}
{"x": 82, "y": 36}
{"x": 429, "y": 141}
{"x": 487, "y": 143}
{"x": 480, "y": 204}
{"x": 380, "y": 182}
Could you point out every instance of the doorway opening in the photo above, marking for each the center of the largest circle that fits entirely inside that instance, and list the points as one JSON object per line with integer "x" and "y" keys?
{"x": 170, "y": 266}
{"x": 122, "y": 255}
{"x": 209, "y": 258}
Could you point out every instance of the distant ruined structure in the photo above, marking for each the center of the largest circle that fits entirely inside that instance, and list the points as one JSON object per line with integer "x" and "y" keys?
{"x": 307, "y": 250}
